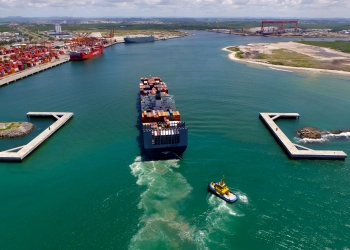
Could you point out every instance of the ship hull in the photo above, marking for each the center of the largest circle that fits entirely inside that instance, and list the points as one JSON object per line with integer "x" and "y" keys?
{"x": 139, "y": 39}
{"x": 166, "y": 153}
{"x": 213, "y": 191}
{"x": 74, "y": 56}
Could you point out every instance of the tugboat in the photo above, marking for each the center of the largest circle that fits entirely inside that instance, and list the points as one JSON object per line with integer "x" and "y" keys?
{"x": 220, "y": 189}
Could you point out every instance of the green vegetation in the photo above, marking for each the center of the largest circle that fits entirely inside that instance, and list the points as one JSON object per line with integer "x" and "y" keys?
{"x": 5, "y": 28}
{"x": 171, "y": 24}
{"x": 294, "y": 59}
{"x": 10, "y": 125}
{"x": 168, "y": 25}
{"x": 336, "y": 25}
{"x": 291, "y": 58}
{"x": 119, "y": 30}
{"x": 234, "y": 49}
{"x": 342, "y": 46}
{"x": 7, "y": 42}
{"x": 277, "y": 63}
{"x": 239, "y": 53}
{"x": 262, "y": 56}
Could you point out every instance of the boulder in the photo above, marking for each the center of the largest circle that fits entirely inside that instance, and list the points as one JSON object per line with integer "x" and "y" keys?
{"x": 309, "y": 132}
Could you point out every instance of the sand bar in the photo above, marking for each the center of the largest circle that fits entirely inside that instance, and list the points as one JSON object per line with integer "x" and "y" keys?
{"x": 317, "y": 53}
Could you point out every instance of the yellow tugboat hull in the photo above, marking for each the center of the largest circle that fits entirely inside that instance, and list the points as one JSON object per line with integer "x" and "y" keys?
{"x": 229, "y": 196}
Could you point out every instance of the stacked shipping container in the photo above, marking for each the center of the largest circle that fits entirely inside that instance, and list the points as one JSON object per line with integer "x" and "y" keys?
{"x": 13, "y": 60}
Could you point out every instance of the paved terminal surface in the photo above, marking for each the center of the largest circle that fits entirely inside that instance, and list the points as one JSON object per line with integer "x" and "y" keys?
{"x": 31, "y": 71}
{"x": 24, "y": 151}
{"x": 296, "y": 151}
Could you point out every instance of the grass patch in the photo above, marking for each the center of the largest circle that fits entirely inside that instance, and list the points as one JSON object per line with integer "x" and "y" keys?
{"x": 290, "y": 58}
{"x": 106, "y": 28}
{"x": 277, "y": 63}
{"x": 262, "y": 56}
{"x": 239, "y": 54}
{"x": 11, "y": 125}
{"x": 234, "y": 49}
{"x": 342, "y": 46}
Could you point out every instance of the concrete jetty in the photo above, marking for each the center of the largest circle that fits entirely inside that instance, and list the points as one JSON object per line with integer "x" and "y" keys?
{"x": 19, "y": 153}
{"x": 110, "y": 44}
{"x": 31, "y": 71}
{"x": 296, "y": 151}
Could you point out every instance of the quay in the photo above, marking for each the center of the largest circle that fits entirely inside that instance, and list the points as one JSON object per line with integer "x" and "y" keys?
{"x": 110, "y": 44}
{"x": 296, "y": 151}
{"x": 31, "y": 71}
{"x": 19, "y": 153}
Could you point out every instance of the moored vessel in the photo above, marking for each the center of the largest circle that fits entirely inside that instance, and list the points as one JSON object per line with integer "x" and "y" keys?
{"x": 164, "y": 134}
{"x": 139, "y": 39}
{"x": 84, "y": 52}
{"x": 220, "y": 189}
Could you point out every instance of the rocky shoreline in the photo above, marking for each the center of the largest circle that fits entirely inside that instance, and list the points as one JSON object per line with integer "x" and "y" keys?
{"x": 24, "y": 129}
{"x": 314, "y": 133}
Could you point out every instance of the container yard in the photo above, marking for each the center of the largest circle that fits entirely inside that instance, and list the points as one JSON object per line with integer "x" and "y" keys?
{"x": 16, "y": 59}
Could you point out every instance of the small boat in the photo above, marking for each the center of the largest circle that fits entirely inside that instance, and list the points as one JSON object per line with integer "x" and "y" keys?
{"x": 220, "y": 189}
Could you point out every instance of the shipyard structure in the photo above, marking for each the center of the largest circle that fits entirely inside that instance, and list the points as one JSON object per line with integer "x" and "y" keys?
{"x": 164, "y": 134}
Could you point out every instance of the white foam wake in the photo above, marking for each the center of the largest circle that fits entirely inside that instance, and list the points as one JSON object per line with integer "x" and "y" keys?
{"x": 341, "y": 135}
{"x": 219, "y": 221}
{"x": 324, "y": 138}
{"x": 308, "y": 140}
{"x": 161, "y": 226}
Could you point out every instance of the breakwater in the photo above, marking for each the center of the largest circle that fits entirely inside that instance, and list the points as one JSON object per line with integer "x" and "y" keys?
{"x": 294, "y": 150}
{"x": 24, "y": 129}
{"x": 19, "y": 153}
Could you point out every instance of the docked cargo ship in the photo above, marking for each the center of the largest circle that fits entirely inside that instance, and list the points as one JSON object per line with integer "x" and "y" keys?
{"x": 85, "y": 52}
{"x": 139, "y": 39}
{"x": 164, "y": 134}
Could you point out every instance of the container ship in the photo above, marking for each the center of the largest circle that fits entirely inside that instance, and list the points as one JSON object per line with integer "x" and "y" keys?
{"x": 138, "y": 39}
{"x": 164, "y": 134}
{"x": 85, "y": 52}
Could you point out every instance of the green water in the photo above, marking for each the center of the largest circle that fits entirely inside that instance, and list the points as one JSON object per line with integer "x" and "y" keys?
{"x": 86, "y": 187}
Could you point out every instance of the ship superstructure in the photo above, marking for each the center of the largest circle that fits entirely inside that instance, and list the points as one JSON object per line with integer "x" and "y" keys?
{"x": 164, "y": 134}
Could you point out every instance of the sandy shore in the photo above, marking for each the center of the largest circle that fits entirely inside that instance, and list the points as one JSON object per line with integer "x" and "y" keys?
{"x": 316, "y": 52}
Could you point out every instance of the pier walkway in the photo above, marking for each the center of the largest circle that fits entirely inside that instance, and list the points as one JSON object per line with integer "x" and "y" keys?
{"x": 296, "y": 151}
{"x": 24, "y": 151}
{"x": 31, "y": 71}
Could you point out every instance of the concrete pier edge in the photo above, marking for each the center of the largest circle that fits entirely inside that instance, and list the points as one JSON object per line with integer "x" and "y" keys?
{"x": 31, "y": 71}
{"x": 25, "y": 150}
{"x": 291, "y": 148}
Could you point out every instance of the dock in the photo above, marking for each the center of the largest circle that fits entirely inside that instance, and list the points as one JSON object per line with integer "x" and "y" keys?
{"x": 31, "y": 71}
{"x": 110, "y": 44}
{"x": 296, "y": 151}
{"x": 19, "y": 153}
